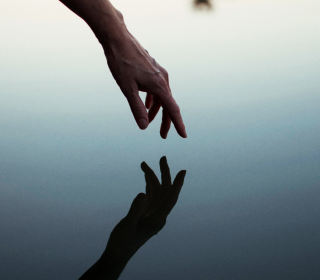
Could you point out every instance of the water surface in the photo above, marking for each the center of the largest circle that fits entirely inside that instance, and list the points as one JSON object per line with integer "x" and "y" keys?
{"x": 245, "y": 75}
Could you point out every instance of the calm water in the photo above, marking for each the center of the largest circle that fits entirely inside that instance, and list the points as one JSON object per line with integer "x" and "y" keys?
{"x": 246, "y": 77}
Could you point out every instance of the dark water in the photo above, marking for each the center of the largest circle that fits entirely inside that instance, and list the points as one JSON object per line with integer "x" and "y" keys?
{"x": 245, "y": 75}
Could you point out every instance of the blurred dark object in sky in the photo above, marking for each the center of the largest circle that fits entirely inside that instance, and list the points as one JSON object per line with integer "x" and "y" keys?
{"x": 203, "y": 5}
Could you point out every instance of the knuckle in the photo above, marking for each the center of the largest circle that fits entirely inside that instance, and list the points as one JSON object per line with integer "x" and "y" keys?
{"x": 129, "y": 96}
{"x": 154, "y": 62}
{"x": 162, "y": 83}
{"x": 176, "y": 110}
{"x": 159, "y": 86}
{"x": 119, "y": 15}
{"x": 165, "y": 73}
{"x": 128, "y": 92}
{"x": 139, "y": 110}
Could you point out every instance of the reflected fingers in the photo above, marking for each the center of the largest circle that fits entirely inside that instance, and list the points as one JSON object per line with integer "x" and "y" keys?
{"x": 165, "y": 174}
{"x": 178, "y": 183}
{"x": 153, "y": 180}
{"x": 148, "y": 188}
{"x": 174, "y": 194}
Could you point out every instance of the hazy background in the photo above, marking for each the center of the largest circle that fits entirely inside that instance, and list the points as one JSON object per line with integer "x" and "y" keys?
{"x": 246, "y": 77}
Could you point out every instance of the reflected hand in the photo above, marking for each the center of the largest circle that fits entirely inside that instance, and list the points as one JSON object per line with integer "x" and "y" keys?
{"x": 148, "y": 212}
{"x": 146, "y": 217}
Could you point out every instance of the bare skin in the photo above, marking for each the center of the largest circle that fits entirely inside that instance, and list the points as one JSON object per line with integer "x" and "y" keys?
{"x": 131, "y": 65}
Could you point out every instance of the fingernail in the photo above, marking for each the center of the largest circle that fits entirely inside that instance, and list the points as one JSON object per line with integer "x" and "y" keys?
{"x": 142, "y": 123}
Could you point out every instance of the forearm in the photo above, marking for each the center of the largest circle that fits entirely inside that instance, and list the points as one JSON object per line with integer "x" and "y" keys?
{"x": 106, "y": 268}
{"x": 105, "y": 21}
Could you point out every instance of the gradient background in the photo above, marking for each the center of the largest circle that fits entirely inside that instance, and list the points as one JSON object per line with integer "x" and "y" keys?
{"x": 246, "y": 77}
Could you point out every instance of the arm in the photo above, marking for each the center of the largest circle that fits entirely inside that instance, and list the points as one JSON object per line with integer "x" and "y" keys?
{"x": 146, "y": 217}
{"x": 131, "y": 65}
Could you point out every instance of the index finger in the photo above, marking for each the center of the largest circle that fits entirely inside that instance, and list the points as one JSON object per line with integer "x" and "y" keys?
{"x": 173, "y": 195}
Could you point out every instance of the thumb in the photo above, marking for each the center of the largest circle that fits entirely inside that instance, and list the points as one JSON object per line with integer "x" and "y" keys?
{"x": 137, "y": 208}
{"x": 138, "y": 109}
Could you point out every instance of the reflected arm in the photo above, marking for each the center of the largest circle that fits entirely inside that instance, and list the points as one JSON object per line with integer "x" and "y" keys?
{"x": 106, "y": 268}
{"x": 147, "y": 216}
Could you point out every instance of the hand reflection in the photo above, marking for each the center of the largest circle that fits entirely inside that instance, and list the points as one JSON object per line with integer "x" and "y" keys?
{"x": 148, "y": 212}
{"x": 146, "y": 217}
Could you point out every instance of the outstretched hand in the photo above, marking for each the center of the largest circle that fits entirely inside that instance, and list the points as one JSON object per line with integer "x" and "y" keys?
{"x": 135, "y": 70}
{"x": 148, "y": 212}
{"x": 131, "y": 65}
{"x": 146, "y": 217}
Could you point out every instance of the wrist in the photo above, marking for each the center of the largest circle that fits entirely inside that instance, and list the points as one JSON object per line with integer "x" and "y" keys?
{"x": 114, "y": 257}
{"x": 109, "y": 266}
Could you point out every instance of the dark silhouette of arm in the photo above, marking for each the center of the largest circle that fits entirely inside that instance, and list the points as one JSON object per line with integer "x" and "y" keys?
{"x": 146, "y": 217}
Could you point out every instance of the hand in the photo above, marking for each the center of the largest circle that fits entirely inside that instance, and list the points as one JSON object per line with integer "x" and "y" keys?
{"x": 146, "y": 217}
{"x": 135, "y": 70}
{"x": 131, "y": 65}
{"x": 148, "y": 212}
